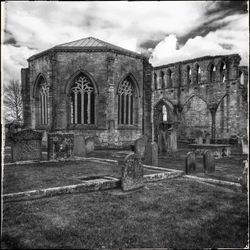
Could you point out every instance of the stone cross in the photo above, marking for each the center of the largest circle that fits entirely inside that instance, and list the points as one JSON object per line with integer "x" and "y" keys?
{"x": 190, "y": 163}
{"x": 208, "y": 162}
{"x": 132, "y": 173}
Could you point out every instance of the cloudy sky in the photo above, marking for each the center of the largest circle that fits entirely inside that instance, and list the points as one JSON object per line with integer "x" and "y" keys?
{"x": 168, "y": 31}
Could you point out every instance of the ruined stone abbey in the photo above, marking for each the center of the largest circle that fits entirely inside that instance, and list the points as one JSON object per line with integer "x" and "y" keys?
{"x": 97, "y": 89}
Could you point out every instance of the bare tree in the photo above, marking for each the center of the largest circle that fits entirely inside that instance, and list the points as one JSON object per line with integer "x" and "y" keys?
{"x": 12, "y": 100}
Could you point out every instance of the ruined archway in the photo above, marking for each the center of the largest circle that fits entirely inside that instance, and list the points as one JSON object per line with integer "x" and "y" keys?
{"x": 195, "y": 119}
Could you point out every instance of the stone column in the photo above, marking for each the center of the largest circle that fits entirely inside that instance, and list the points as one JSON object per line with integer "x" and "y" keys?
{"x": 213, "y": 109}
{"x": 111, "y": 93}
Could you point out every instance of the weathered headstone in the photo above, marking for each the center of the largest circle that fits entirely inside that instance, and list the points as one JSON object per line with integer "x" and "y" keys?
{"x": 90, "y": 144}
{"x": 151, "y": 154}
{"x": 140, "y": 147}
{"x": 60, "y": 145}
{"x": 132, "y": 173}
{"x": 26, "y": 145}
{"x": 244, "y": 181}
{"x": 244, "y": 144}
{"x": 208, "y": 162}
{"x": 198, "y": 136}
{"x": 79, "y": 148}
{"x": 190, "y": 163}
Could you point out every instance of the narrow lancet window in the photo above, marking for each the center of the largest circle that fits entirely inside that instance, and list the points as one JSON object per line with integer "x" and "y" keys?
{"x": 43, "y": 99}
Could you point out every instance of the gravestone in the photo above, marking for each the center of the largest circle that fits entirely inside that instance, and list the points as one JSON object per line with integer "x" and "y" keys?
{"x": 139, "y": 147}
{"x": 243, "y": 180}
{"x": 60, "y": 145}
{"x": 151, "y": 154}
{"x": 90, "y": 144}
{"x": 244, "y": 144}
{"x": 26, "y": 145}
{"x": 190, "y": 163}
{"x": 79, "y": 148}
{"x": 132, "y": 173}
{"x": 208, "y": 162}
{"x": 198, "y": 136}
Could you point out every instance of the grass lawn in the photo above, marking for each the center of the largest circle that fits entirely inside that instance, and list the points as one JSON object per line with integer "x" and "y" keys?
{"x": 20, "y": 178}
{"x": 175, "y": 213}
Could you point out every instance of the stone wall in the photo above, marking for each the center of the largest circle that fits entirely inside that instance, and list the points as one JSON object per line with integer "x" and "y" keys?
{"x": 106, "y": 70}
{"x": 221, "y": 102}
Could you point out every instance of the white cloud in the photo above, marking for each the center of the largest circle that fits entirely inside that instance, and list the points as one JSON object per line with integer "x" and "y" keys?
{"x": 232, "y": 38}
{"x": 41, "y": 25}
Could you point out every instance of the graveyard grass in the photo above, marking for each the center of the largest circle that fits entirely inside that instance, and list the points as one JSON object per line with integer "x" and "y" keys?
{"x": 175, "y": 213}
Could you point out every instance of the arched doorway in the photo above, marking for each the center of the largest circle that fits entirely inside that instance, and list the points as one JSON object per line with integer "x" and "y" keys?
{"x": 165, "y": 127}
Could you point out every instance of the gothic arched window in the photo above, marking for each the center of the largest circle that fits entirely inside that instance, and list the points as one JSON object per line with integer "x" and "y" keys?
{"x": 212, "y": 73}
{"x": 162, "y": 80}
{"x": 169, "y": 78}
{"x": 164, "y": 113}
{"x": 198, "y": 74}
{"x": 188, "y": 75}
{"x": 126, "y": 102}
{"x": 223, "y": 72}
{"x": 241, "y": 77}
{"x": 155, "y": 80}
{"x": 43, "y": 101}
{"x": 82, "y": 101}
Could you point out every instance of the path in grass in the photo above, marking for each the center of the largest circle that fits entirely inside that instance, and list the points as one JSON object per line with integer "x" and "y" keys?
{"x": 177, "y": 213}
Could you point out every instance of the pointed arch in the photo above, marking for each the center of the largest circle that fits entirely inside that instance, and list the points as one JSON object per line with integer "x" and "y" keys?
{"x": 81, "y": 92}
{"x": 211, "y": 72}
{"x": 41, "y": 100}
{"x": 133, "y": 80}
{"x": 169, "y": 78}
{"x": 222, "y": 67}
{"x": 197, "y": 73}
{"x": 127, "y": 93}
{"x": 38, "y": 80}
{"x": 70, "y": 81}
{"x": 188, "y": 72}
{"x": 192, "y": 96}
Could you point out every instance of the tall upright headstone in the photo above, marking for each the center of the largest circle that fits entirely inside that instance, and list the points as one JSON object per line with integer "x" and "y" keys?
{"x": 132, "y": 173}
{"x": 79, "y": 145}
{"x": 90, "y": 144}
{"x": 190, "y": 163}
{"x": 208, "y": 162}
{"x": 139, "y": 147}
{"x": 151, "y": 154}
{"x": 244, "y": 181}
{"x": 244, "y": 144}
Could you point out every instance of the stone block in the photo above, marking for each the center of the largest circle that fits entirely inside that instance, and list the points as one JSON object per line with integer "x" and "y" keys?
{"x": 26, "y": 145}
{"x": 151, "y": 154}
{"x": 79, "y": 148}
{"x": 132, "y": 173}
{"x": 90, "y": 144}
{"x": 208, "y": 162}
{"x": 244, "y": 178}
{"x": 60, "y": 145}
{"x": 244, "y": 144}
{"x": 139, "y": 147}
{"x": 190, "y": 163}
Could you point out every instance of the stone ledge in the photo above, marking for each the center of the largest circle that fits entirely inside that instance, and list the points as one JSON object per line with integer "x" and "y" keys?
{"x": 78, "y": 188}
{"x": 162, "y": 176}
{"x": 229, "y": 184}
